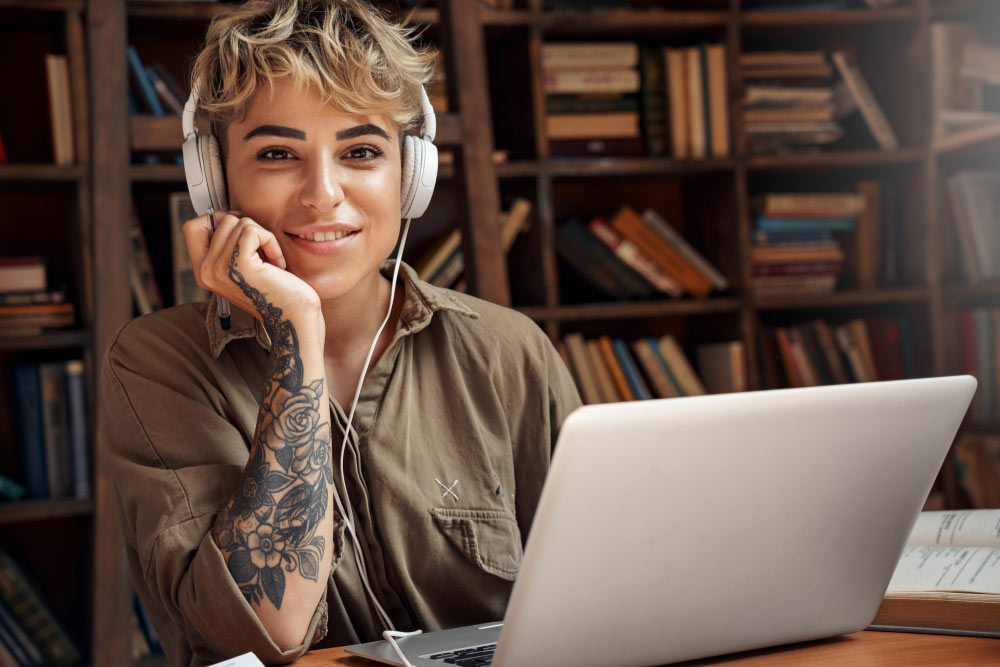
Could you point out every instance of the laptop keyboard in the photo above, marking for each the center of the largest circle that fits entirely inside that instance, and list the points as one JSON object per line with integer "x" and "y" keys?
{"x": 475, "y": 656}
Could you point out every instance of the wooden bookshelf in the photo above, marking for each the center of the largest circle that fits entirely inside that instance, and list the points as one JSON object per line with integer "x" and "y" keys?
{"x": 494, "y": 74}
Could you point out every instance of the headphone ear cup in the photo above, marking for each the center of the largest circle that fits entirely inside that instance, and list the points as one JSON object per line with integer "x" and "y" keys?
{"x": 215, "y": 179}
{"x": 409, "y": 180}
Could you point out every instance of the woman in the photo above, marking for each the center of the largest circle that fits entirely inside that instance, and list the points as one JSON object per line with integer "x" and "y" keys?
{"x": 226, "y": 443}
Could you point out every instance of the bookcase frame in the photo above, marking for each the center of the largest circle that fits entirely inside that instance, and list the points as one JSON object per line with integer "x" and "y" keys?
{"x": 96, "y": 37}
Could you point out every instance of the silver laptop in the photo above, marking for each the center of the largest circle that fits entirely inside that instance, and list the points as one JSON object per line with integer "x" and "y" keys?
{"x": 677, "y": 529}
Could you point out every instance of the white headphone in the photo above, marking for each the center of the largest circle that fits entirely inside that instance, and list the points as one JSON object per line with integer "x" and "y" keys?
{"x": 207, "y": 182}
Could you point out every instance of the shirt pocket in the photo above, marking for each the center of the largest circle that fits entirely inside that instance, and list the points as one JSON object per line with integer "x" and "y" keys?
{"x": 488, "y": 538}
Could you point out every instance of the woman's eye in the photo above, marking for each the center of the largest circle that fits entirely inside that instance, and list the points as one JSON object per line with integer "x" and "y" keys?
{"x": 365, "y": 153}
{"x": 274, "y": 154}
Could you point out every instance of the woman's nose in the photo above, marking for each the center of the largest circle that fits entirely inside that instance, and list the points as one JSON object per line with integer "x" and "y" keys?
{"x": 323, "y": 189}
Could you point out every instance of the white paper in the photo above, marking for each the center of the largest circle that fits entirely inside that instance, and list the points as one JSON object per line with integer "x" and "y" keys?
{"x": 963, "y": 569}
{"x": 245, "y": 660}
{"x": 961, "y": 528}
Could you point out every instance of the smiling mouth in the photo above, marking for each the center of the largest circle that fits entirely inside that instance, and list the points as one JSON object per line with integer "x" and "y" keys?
{"x": 323, "y": 236}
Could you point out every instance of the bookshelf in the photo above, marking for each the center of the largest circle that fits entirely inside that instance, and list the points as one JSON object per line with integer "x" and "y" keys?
{"x": 497, "y": 99}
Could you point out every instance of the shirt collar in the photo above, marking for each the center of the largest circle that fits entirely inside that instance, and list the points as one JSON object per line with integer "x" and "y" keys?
{"x": 422, "y": 300}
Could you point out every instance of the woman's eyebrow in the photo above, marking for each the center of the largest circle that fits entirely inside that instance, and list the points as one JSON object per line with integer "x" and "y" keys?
{"x": 359, "y": 130}
{"x": 276, "y": 131}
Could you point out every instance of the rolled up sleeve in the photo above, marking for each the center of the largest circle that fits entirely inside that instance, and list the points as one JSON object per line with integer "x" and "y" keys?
{"x": 175, "y": 457}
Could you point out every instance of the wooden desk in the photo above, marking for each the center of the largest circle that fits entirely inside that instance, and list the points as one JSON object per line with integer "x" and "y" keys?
{"x": 861, "y": 648}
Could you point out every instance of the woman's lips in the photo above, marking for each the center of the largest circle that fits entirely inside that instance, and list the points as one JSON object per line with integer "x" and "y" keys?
{"x": 324, "y": 248}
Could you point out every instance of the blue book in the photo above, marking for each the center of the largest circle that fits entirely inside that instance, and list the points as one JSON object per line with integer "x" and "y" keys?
{"x": 23, "y": 642}
{"x": 631, "y": 371}
{"x": 76, "y": 420}
{"x": 768, "y": 224}
{"x": 655, "y": 346}
{"x": 31, "y": 425}
{"x": 142, "y": 80}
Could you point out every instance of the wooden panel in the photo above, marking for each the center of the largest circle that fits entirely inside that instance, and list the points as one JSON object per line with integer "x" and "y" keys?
{"x": 110, "y": 158}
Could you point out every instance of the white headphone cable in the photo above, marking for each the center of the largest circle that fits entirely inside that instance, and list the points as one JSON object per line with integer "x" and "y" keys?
{"x": 345, "y": 508}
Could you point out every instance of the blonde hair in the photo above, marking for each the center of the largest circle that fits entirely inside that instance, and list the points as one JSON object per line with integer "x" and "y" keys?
{"x": 345, "y": 50}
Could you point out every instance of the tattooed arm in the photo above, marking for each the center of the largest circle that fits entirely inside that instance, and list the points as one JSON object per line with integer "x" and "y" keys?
{"x": 275, "y": 533}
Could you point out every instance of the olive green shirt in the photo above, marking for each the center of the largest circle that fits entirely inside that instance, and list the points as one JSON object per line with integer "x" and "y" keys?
{"x": 449, "y": 448}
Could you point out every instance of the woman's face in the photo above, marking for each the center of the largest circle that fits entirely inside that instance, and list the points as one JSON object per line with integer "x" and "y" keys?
{"x": 326, "y": 183}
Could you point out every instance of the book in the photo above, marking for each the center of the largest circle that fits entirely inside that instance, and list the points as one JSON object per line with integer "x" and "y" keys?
{"x": 628, "y": 223}
{"x": 512, "y": 223}
{"x": 653, "y": 97}
{"x": 866, "y": 236}
{"x": 597, "y": 264}
{"x": 974, "y": 205}
{"x": 718, "y": 99}
{"x": 145, "y": 291}
{"x": 697, "y": 129}
{"x": 76, "y": 420}
{"x": 31, "y": 425}
{"x": 676, "y": 70}
{"x": 654, "y": 370}
{"x": 585, "y": 373}
{"x": 867, "y": 103}
{"x": 659, "y": 224}
{"x": 26, "y": 606}
{"x": 15, "y": 637}
{"x": 811, "y": 204}
{"x": 683, "y": 373}
{"x": 186, "y": 289}
{"x": 22, "y": 274}
{"x": 597, "y": 55}
{"x": 55, "y": 429}
{"x": 605, "y": 379}
{"x": 948, "y": 576}
{"x": 623, "y": 387}
{"x": 166, "y": 95}
{"x": 632, "y": 375}
{"x": 632, "y": 255}
{"x": 586, "y": 125}
{"x": 722, "y": 367}
{"x": 616, "y": 80}
{"x": 140, "y": 79}
{"x": 60, "y": 109}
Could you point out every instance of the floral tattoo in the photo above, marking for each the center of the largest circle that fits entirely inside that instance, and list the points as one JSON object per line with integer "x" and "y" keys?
{"x": 269, "y": 527}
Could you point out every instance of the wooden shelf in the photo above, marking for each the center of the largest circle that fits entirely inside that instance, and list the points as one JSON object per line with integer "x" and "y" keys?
{"x": 41, "y": 510}
{"x": 46, "y": 5}
{"x": 202, "y": 11}
{"x": 847, "y": 17}
{"x": 969, "y": 291}
{"x": 631, "y": 310}
{"x": 19, "y": 173}
{"x": 632, "y": 166}
{"x": 627, "y": 22}
{"x": 986, "y": 429}
{"x": 877, "y": 297}
{"x": 824, "y": 159}
{"x": 65, "y": 339}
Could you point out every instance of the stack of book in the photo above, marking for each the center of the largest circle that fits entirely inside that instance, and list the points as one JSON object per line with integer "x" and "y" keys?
{"x": 795, "y": 247}
{"x": 697, "y": 101}
{"x": 27, "y": 305}
{"x": 972, "y": 194}
{"x": 965, "y": 83}
{"x": 819, "y": 353}
{"x": 979, "y": 355}
{"x": 51, "y": 415}
{"x": 443, "y": 263}
{"x": 29, "y": 632}
{"x": 609, "y": 370}
{"x": 635, "y": 256}
{"x": 592, "y": 103}
{"x": 790, "y": 100}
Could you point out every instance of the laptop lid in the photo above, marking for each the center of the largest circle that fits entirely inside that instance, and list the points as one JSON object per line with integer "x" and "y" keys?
{"x": 682, "y": 528}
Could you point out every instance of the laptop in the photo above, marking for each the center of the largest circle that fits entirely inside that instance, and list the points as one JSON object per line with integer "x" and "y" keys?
{"x": 683, "y": 528}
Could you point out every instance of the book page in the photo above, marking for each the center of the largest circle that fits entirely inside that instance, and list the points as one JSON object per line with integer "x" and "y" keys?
{"x": 962, "y": 528}
{"x": 964, "y": 569}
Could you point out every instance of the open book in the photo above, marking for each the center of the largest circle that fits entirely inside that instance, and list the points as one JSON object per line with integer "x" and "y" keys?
{"x": 948, "y": 578}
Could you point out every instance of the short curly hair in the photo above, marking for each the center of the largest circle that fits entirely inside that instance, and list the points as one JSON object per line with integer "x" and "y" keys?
{"x": 348, "y": 51}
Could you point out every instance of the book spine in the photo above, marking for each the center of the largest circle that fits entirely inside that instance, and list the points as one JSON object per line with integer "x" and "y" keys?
{"x": 15, "y": 648}
{"x": 696, "y": 103}
{"x": 623, "y": 275}
{"x": 658, "y": 224}
{"x": 77, "y": 421}
{"x": 718, "y": 97}
{"x": 706, "y": 102}
{"x": 653, "y": 96}
{"x": 591, "y": 81}
{"x": 868, "y": 105}
{"x": 605, "y": 382}
{"x": 625, "y": 390}
{"x": 654, "y": 371}
{"x": 661, "y": 359}
{"x": 28, "y": 393}
{"x": 142, "y": 80}
{"x": 635, "y": 381}
{"x": 677, "y": 97}
{"x": 22, "y": 640}
{"x": 164, "y": 93}
{"x": 595, "y": 55}
{"x": 54, "y": 414}
{"x": 631, "y": 226}
{"x": 27, "y": 608}
{"x": 629, "y": 253}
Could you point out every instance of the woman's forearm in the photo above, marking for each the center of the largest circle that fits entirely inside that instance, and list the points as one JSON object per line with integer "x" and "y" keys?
{"x": 276, "y": 532}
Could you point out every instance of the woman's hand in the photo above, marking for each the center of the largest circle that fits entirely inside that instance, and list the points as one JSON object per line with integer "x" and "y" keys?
{"x": 242, "y": 262}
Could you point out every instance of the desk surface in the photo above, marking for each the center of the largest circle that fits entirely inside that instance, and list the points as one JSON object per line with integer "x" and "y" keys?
{"x": 860, "y": 648}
